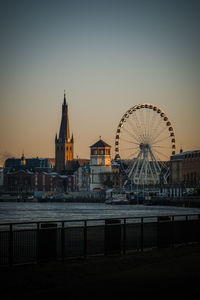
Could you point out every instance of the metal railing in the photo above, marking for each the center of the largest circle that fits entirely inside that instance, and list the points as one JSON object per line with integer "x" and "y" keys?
{"x": 33, "y": 242}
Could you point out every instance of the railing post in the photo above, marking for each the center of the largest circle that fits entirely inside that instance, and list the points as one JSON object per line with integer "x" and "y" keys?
{"x": 63, "y": 241}
{"x": 124, "y": 237}
{"x": 173, "y": 233}
{"x": 186, "y": 230}
{"x": 85, "y": 239}
{"x": 142, "y": 234}
{"x": 105, "y": 238}
{"x": 10, "y": 245}
{"x": 37, "y": 242}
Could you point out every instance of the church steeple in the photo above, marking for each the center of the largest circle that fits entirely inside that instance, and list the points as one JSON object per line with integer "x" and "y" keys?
{"x": 64, "y": 97}
{"x": 64, "y": 126}
{"x": 64, "y": 145}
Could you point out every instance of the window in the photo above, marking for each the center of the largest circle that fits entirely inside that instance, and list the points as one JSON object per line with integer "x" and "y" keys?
{"x": 94, "y": 152}
{"x": 101, "y": 152}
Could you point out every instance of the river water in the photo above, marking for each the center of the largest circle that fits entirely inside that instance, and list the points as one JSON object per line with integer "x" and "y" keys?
{"x": 32, "y": 212}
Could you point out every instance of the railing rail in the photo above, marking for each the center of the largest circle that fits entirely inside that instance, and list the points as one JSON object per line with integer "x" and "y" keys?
{"x": 33, "y": 242}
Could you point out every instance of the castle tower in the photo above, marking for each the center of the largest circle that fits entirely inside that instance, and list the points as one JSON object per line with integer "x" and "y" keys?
{"x": 64, "y": 145}
{"x": 100, "y": 163}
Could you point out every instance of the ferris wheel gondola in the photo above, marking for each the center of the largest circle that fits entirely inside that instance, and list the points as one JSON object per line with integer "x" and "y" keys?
{"x": 144, "y": 141}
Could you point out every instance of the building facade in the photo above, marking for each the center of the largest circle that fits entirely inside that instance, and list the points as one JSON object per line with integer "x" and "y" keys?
{"x": 64, "y": 144}
{"x": 100, "y": 164}
{"x": 34, "y": 164}
{"x": 26, "y": 181}
{"x": 185, "y": 168}
{"x": 23, "y": 175}
{"x": 82, "y": 178}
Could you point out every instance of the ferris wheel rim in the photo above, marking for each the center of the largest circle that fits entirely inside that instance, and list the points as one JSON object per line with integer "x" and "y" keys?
{"x": 155, "y": 169}
{"x": 135, "y": 108}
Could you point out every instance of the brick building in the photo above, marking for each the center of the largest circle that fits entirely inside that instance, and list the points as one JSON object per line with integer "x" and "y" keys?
{"x": 34, "y": 174}
{"x": 30, "y": 181}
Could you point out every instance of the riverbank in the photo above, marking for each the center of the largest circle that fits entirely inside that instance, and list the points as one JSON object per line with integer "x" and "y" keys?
{"x": 165, "y": 273}
{"x": 193, "y": 202}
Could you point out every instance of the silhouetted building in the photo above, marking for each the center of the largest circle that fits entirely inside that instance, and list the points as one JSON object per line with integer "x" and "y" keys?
{"x": 33, "y": 164}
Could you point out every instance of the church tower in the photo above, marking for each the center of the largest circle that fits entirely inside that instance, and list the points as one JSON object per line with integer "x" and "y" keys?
{"x": 64, "y": 145}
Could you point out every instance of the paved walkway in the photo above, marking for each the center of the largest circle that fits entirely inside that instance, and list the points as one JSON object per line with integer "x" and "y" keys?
{"x": 160, "y": 273}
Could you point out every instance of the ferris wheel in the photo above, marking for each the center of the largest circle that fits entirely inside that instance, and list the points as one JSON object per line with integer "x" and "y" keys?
{"x": 144, "y": 141}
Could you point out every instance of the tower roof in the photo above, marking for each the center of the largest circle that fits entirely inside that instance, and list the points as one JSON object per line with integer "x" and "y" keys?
{"x": 100, "y": 144}
{"x": 64, "y": 126}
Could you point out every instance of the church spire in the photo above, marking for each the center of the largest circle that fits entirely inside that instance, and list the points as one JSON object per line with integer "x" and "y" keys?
{"x": 64, "y": 145}
{"x": 64, "y": 126}
{"x": 64, "y": 97}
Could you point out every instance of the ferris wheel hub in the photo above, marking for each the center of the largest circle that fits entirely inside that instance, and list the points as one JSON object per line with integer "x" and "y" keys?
{"x": 144, "y": 147}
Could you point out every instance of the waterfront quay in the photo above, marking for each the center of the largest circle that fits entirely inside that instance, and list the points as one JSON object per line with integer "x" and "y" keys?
{"x": 36, "y": 242}
{"x": 167, "y": 273}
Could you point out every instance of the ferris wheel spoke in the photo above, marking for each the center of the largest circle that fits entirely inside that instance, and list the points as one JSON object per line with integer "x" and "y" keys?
{"x": 135, "y": 130}
{"x": 162, "y": 154}
{"x": 147, "y": 116}
{"x": 161, "y": 140}
{"x": 132, "y": 154}
{"x": 130, "y": 148}
{"x": 165, "y": 148}
{"x": 158, "y": 134}
{"x": 128, "y": 141}
{"x": 130, "y": 133}
{"x": 139, "y": 127}
{"x": 149, "y": 124}
{"x": 158, "y": 125}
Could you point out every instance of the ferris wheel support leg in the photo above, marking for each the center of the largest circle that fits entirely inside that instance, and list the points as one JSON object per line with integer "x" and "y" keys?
{"x": 137, "y": 159}
{"x": 154, "y": 166}
{"x": 166, "y": 175}
{"x": 141, "y": 170}
{"x": 154, "y": 178}
{"x": 165, "y": 179}
{"x": 157, "y": 164}
{"x": 146, "y": 167}
{"x": 136, "y": 171}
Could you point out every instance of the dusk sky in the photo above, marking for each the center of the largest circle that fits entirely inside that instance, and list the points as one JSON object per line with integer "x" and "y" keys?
{"x": 108, "y": 56}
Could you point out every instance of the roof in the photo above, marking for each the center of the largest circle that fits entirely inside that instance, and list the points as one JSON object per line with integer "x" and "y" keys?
{"x": 187, "y": 154}
{"x": 100, "y": 144}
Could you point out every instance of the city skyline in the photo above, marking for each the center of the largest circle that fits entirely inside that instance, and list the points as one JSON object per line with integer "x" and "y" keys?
{"x": 108, "y": 56}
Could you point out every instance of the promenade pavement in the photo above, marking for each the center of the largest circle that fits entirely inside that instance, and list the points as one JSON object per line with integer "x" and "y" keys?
{"x": 165, "y": 274}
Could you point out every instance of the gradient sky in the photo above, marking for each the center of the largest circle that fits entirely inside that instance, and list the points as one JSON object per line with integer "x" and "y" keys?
{"x": 109, "y": 56}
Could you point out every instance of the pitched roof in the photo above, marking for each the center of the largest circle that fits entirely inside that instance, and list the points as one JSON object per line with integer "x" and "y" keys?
{"x": 100, "y": 144}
